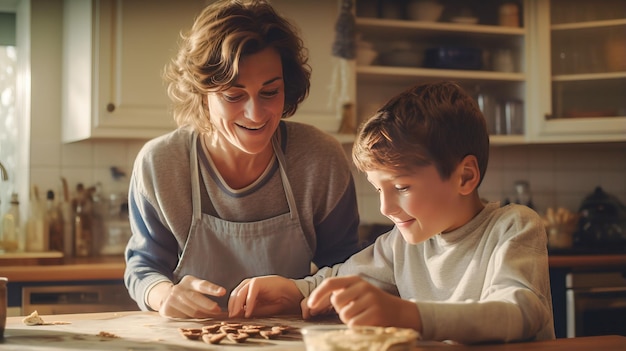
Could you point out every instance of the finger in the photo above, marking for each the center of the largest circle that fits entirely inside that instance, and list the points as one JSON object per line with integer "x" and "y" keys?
{"x": 237, "y": 299}
{"x": 204, "y": 306}
{"x": 250, "y": 302}
{"x": 353, "y": 292}
{"x": 206, "y": 287}
{"x": 306, "y": 311}
{"x": 323, "y": 291}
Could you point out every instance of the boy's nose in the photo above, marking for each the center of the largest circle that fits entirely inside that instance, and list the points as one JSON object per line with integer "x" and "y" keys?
{"x": 387, "y": 206}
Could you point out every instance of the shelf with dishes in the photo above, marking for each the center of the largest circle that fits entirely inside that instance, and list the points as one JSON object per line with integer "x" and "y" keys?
{"x": 383, "y": 26}
{"x": 486, "y": 59}
{"x": 588, "y": 71}
{"x": 407, "y": 74}
{"x": 403, "y": 43}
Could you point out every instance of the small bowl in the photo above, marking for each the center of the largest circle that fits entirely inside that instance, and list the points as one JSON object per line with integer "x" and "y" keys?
{"x": 363, "y": 338}
{"x": 401, "y": 58}
{"x": 365, "y": 56}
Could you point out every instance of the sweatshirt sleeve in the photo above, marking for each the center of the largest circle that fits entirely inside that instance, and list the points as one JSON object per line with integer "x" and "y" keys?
{"x": 151, "y": 250}
{"x": 373, "y": 264}
{"x": 515, "y": 303}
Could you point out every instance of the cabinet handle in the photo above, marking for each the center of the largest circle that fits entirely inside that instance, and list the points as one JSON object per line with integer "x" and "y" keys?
{"x": 110, "y": 107}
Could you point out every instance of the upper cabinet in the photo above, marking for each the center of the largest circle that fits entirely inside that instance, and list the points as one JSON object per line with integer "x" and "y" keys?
{"x": 113, "y": 58}
{"x": 115, "y": 52}
{"x": 541, "y": 70}
{"x": 482, "y": 45}
{"x": 580, "y": 72}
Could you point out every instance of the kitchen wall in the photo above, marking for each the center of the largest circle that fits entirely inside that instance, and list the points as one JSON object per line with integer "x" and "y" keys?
{"x": 559, "y": 175}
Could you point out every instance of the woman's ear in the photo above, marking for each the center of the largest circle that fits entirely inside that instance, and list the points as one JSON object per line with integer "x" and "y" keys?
{"x": 470, "y": 174}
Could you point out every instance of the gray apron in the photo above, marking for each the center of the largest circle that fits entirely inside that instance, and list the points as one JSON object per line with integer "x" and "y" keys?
{"x": 225, "y": 253}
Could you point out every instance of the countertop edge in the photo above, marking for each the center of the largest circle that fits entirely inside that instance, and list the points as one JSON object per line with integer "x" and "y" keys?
{"x": 587, "y": 261}
{"x": 113, "y": 269}
{"x": 65, "y": 272}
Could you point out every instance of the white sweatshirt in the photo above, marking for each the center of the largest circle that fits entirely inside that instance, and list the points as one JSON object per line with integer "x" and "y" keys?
{"x": 487, "y": 281}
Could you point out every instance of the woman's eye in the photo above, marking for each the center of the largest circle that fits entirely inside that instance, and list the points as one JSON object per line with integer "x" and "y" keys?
{"x": 402, "y": 189}
{"x": 232, "y": 98}
{"x": 269, "y": 94}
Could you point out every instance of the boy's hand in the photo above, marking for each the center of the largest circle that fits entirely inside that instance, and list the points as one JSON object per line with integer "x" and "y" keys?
{"x": 264, "y": 296}
{"x": 360, "y": 303}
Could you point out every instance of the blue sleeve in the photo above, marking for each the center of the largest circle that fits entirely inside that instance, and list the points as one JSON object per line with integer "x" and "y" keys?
{"x": 151, "y": 254}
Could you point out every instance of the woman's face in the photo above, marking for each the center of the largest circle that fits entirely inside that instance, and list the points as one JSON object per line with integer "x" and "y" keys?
{"x": 246, "y": 115}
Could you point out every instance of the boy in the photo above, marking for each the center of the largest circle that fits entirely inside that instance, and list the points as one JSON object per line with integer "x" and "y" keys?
{"x": 453, "y": 267}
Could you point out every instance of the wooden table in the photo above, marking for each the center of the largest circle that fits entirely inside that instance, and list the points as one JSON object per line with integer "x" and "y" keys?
{"x": 149, "y": 331}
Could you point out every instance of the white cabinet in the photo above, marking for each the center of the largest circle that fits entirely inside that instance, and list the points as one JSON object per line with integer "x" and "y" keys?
{"x": 486, "y": 58}
{"x": 580, "y": 71}
{"x": 113, "y": 56}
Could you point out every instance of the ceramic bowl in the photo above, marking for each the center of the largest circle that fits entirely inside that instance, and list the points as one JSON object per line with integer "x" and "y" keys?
{"x": 365, "y": 56}
{"x": 341, "y": 337}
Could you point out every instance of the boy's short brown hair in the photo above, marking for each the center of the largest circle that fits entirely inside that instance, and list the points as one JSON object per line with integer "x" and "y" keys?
{"x": 430, "y": 124}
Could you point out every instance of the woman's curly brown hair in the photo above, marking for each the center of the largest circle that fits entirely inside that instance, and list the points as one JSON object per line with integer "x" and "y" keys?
{"x": 210, "y": 52}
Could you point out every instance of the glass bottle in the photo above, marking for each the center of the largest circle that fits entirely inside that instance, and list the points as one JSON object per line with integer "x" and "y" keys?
{"x": 82, "y": 231}
{"x": 55, "y": 222}
{"x": 11, "y": 231}
{"x": 523, "y": 195}
{"x": 37, "y": 234}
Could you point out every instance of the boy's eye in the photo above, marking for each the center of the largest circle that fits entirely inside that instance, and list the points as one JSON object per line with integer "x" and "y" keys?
{"x": 402, "y": 189}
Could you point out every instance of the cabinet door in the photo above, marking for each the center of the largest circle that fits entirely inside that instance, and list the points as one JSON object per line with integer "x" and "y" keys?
{"x": 113, "y": 58}
{"x": 582, "y": 48}
{"x": 136, "y": 39}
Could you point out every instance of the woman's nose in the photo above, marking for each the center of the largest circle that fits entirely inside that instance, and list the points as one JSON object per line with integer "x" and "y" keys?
{"x": 253, "y": 109}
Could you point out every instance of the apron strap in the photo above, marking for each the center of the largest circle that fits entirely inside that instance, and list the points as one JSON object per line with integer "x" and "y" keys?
{"x": 291, "y": 201}
{"x": 195, "y": 180}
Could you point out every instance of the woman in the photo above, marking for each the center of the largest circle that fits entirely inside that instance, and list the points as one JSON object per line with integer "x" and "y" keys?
{"x": 235, "y": 191}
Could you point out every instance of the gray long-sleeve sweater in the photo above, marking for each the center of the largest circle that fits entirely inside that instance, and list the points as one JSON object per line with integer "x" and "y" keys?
{"x": 486, "y": 281}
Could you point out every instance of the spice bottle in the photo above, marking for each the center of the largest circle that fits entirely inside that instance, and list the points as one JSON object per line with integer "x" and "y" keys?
{"x": 11, "y": 231}
{"x": 82, "y": 231}
{"x": 55, "y": 222}
{"x": 37, "y": 234}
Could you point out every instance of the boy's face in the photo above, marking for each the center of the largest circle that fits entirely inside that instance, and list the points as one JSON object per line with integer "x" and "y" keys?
{"x": 418, "y": 201}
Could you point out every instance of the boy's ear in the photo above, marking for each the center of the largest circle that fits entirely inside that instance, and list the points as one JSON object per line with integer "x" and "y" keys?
{"x": 470, "y": 175}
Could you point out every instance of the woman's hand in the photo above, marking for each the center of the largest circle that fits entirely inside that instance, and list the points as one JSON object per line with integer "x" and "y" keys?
{"x": 360, "y": 303}
{"x": 187, "y": 299}
{"x": 264, "y": 296}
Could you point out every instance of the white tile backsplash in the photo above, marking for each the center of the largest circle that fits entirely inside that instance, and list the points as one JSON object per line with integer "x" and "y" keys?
{"x": 559, "y": 175}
